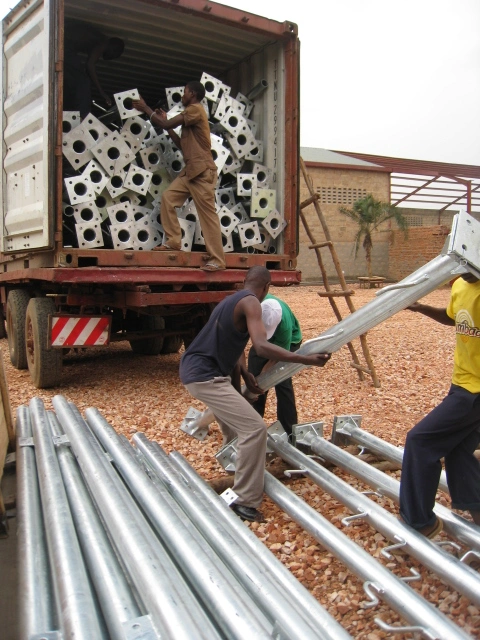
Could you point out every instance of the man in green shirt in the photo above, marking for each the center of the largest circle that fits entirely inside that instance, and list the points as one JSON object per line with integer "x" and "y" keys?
{"x": 284, "y": 331}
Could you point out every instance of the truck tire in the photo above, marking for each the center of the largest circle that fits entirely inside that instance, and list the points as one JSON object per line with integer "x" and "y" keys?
{"x": 171, "y": 344}
{"x": 149, "y": 346}
{"x": 17, "y": 303}
{"x": 44, "y": 365}
{"x": 3, "y": 331}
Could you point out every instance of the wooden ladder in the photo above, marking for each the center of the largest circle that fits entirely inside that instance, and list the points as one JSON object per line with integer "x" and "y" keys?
{"x": 330, "y": 293}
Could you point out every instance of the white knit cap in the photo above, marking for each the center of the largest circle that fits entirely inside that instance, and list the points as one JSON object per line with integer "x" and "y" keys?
{"x": 271, "y": 315}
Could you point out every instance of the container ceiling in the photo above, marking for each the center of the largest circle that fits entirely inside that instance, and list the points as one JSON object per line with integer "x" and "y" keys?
{"x": 165, "y": 47}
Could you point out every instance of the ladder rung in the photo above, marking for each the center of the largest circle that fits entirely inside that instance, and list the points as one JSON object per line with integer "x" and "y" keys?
{"x": 319, "y": 245}
{"x": 360, "y": 368}
{"x": 335, "y": 294}
{"x": 308, "y": 201}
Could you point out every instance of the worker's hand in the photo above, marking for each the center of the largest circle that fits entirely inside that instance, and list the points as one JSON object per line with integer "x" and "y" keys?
{"x": 140, "y": 104}
{"x": 317, "y": 359}
{"x": 251, "y": 383}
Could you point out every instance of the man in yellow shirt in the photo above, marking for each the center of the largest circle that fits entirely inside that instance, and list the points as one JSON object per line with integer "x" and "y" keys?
{"x": 452, "y": 430}
{"x": 198, "y": 179}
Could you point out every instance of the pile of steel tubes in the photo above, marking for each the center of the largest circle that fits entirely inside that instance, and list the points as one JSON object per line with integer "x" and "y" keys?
{"x": 118, "y": 541}
{"x": 124, "y": 541}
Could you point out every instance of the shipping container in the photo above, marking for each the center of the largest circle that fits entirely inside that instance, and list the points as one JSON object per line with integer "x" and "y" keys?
{"x": 49, "y": 274}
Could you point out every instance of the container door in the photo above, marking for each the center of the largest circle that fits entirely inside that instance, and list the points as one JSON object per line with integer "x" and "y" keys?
{"x": 27, "y": 122}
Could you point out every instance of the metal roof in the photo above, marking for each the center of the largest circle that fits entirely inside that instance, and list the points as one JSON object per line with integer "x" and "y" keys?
{"x": 325, "y": 156}
{"x": 419, "y": 184}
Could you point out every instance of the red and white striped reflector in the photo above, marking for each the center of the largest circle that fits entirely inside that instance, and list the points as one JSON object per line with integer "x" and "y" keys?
{"x": 75, "y": 331}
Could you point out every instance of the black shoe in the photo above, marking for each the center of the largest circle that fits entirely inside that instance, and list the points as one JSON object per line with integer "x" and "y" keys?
{"x": 247, "y": 513}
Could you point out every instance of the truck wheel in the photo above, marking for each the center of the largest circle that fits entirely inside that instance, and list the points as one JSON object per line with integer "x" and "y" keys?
{"x": 17, "y": 303}
{"x": 44, "y": 365}
{"x": 3, "y": 331}
{"x": 149, "y": 346}
{"x": 171, "y": 344}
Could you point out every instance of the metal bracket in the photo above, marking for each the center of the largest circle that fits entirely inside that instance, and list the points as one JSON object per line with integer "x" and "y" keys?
{"x": 249, "y": 234}
{"x": 415, "y": 576}
{"x": 303, "y": 433}
{"x": 296, "y": 472}
{"x": 423, "y": 630}
{"x": 398, "y": 545}
{"x": 140, "y": 629}
{"x": 467, "y": 555}
{"x": 229, "y": 496}
{"x": 227, "y": 455}
{"x": 26, "y": 442}
{"x": 341, "y": 434}
{"x": 368, "y": 587}
{"x": 278, "y": 432}
{"x": 188, "y": 424}
{"x": 357, "y": 516}
{"x": 59, "y": 440}
{"x": 448, "y": 543}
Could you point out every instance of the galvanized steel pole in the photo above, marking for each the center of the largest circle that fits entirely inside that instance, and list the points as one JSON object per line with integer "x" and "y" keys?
{"x": 173, "y": 609}
{"x": 379, "y": 581}
{"x": 237, "y": 615}
{"x": 75, "y": 601}
{"x": 36, "y": 611}
{"x": 116, "y": 599}
{"x": 456, "y": 526}
{"x": 449, "y": 569}
{"x": 352, "y": 432}
{"x": 253, "y": 575}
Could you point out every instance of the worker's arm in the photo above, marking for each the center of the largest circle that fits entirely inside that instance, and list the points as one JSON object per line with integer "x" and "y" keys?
{"x": 438, "y": 314}
{"x": 159, "y": 119}
{"x": 95, "y": 54}
{"x": 249, "y": 378}
{"x": 253, "y": 315}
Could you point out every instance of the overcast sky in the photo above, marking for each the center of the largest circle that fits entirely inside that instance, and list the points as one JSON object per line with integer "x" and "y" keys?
{"x": 384, "y": 77}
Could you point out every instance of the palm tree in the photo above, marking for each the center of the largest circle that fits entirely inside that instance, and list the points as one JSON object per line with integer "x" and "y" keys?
{"x": 369, "y": 214}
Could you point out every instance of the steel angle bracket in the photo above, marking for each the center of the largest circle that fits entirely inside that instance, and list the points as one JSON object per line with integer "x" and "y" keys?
{"x": 140, "y": 629}
{"x": 303, "y": 433}
{"x": 227, "y": 456}
{"x": 464, "y": 242}
{"x": 188, "y": 424}
{"x": 341, "y": 434}
{"x": 278, "y": 433}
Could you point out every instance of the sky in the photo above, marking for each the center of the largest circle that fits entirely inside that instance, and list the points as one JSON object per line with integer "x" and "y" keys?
{"x": 393, "y": 78}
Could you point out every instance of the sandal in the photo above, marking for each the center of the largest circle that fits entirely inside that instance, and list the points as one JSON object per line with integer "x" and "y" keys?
{"x": 211, "y": 266}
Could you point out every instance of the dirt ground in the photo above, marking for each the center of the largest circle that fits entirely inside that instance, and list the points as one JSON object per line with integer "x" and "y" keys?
{"x": 413, "y": 360}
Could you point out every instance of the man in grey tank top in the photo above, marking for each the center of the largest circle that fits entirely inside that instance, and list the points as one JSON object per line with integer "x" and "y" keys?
{"x": 211, "y": 369}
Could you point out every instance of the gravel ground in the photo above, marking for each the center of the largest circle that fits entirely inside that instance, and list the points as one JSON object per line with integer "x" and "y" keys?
{"x": 413, "y": 359}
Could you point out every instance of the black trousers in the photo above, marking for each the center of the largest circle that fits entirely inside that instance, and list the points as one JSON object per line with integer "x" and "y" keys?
{"x": 286, "y": 408}
{"x": 449, "y": 431}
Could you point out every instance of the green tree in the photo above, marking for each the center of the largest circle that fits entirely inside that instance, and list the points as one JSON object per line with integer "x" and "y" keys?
{"x": 369, "y": 213}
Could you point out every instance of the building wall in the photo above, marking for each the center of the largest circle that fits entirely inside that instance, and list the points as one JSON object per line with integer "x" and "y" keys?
{"x": 337, "y": 188}
{"x": 422, "y": 245}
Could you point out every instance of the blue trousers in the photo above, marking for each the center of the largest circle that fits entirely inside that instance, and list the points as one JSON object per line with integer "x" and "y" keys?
{"x": 451, "y": 431}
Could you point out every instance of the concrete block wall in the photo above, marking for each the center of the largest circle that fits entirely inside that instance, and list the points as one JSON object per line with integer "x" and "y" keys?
{"x": 422, "y": 245}
{"x": 337, "y": 188}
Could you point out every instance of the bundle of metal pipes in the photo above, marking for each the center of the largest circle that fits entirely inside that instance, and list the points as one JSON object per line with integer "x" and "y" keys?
{"x": 379, "y": 582}
{"x": 117, "y": 541}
